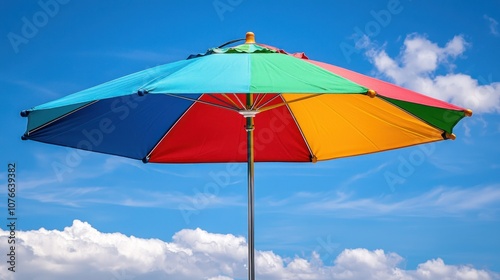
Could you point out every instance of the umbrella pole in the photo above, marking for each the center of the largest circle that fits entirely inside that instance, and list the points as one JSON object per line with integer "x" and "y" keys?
{"x": 250, "y": 163}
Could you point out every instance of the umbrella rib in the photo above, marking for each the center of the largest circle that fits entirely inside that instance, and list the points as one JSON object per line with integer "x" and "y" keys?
{"x": 298, "y": 127}
{"x": 241, "y": 103}
{"x": 259, "y": 99}
{"x": 413, "y": 115}
{"x": 151, "y": 81}
{"x": 61, "y": 117}
{"x": 360, "y": 131}
{"x": 202, "y": 101}
{"x": 146, "y": 158}
{"x": 289, "y": 102}
{"x": 230, "y": 100}
{"x": 268, "y": 101}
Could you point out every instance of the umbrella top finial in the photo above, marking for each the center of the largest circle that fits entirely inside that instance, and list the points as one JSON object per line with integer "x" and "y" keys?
{"x": 250, "y": 38}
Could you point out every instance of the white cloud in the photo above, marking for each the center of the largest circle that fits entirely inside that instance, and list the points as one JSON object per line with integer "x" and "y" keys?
{"x": 363, "y": 175}
{"x": 220, "y": 278}
{"x": 437, "y": 202}
{"x": 365, "y": 264}
{"x": 80, "y": 196}
{"x": 493, "y": 24}
{"x": 437, "y": 268}
{"x": 45, "y": 187}
{"x": 417, "y": 66}
{"x": 34, "y": 87}
{"x": 82, "y": 252}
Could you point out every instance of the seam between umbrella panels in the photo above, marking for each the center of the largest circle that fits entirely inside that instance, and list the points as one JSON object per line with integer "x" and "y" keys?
{"x": 415, "y": 116}
{"x": 382, "y": 150}
{"x": 168, "y": 74}
{"x": 311, "y": 155}
{"x": 62, "y": 117}
{"x": 347, "y": 120}
{"x": 171, "y": 128}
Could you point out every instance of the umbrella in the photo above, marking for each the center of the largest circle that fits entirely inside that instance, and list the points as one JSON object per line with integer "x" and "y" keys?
{"x": 207, "y": 108}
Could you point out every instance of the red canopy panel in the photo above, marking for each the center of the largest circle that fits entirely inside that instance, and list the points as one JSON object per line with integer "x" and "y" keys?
{"x": 206, "y": 133}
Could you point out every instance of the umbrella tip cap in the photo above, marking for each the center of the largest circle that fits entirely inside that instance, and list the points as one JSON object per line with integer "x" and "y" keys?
{"x": 468, "y": 112}
{"x": 371, "y": 93}
{"x": 450, "y": 136}
{"x": 250, "y": 38}
{"x": 314, "y": 159}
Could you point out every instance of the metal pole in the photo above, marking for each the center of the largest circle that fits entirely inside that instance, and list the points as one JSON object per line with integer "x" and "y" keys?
{"x": 250, "y": 158}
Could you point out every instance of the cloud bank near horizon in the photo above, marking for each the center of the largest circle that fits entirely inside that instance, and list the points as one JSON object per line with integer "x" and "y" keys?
{"x": 81, "y": 251}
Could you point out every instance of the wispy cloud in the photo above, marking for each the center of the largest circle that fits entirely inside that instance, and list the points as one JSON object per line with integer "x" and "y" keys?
{"x": 161, "y": 170}
{"x": 450, "y": 167}
{"x": 82, "y": 184}
{"x": 70, "y": 165}
{"x": 34, "y": 87}
{"x": 440, "y": 201}
{"x": 113, "y": 163}
{"x": 172, "y": 200}
{"x": 70, "y": 196}
{"x": 76, "y": 196}
{"x": 364, "y": 175}
{"x": 493, "y": 25}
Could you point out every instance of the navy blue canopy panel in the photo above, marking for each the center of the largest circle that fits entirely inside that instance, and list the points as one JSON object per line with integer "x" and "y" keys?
{"x": 128, "y": 126}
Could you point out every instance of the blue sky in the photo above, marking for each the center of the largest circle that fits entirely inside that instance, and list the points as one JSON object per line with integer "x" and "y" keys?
{"x": 430, "y": 210}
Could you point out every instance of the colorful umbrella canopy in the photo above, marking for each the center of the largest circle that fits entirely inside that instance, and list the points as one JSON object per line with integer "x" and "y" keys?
{"x": 204, "y": 109}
